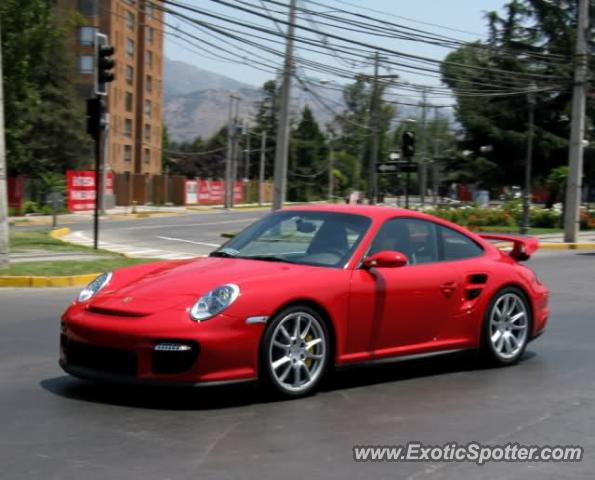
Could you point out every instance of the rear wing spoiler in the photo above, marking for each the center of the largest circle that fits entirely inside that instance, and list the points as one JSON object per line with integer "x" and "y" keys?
{"x": 522, "y": 247}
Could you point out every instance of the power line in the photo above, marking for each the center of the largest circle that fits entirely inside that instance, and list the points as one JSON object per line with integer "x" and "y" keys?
{"x": 528, "y": 75}
{"x": 349, "y": 73}
{"x": 334, "y": 70}
{"x": 416, "y": 34}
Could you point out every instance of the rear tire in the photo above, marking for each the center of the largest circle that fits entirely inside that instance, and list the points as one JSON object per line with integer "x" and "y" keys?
{"x": 295, "y": 352}
{"x": 506, "y": 327}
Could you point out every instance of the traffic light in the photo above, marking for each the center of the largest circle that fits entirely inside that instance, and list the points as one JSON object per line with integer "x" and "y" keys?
{"x": 95, "y": 110}
{"x": 105, "y": 64}
{"x": 408, "y": 144}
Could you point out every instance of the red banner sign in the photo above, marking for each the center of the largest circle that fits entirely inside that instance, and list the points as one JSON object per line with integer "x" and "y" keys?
{"x": 211, "y": 192}
{"x": 81, "y": 189}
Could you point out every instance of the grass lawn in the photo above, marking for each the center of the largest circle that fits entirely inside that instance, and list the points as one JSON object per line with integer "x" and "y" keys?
{"x": 23, "y": 240}
{"x": 69, "y": 267}
{"x": 26, "y": 240}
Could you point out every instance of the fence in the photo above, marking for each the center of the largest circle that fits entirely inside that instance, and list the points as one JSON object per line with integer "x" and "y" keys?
{"x": 178, "y": 190}
{"x": 130, "y": 189}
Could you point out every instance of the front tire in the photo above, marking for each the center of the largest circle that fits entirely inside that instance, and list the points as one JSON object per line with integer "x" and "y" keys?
{"x": 506, "y": 327}
{"x": 295, "y": 352}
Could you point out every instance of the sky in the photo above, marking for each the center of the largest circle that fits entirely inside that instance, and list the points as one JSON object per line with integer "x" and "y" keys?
{"x": 466, "y": 18}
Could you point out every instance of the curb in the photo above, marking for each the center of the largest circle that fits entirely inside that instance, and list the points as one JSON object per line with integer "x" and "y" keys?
{"x": 58, "y": 233}
{"x": 118, "y": 217}
{"x": 40, "y": 282}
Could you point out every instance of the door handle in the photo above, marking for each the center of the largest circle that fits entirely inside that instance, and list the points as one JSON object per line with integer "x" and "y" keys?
{"x": 448, "y": 288}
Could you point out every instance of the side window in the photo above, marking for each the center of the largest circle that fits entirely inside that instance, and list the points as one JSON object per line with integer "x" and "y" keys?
{"x": 415, "y": 238}
{"x": 457, "y": 246}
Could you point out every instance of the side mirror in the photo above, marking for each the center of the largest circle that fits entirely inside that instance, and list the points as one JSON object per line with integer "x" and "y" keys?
{"x": 386, "y": 259}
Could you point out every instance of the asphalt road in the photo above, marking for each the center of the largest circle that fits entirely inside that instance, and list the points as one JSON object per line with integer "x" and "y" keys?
{"x": 192, "y": 234}
{"x": 56, "y": 427}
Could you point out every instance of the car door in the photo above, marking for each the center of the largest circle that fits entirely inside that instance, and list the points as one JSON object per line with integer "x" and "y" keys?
{"x": 407, "y": 307}
{"x": 459, "y": 251}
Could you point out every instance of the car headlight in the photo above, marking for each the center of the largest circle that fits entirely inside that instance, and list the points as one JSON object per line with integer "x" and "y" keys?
{"x": 91, "y": 290}
{"x": 214, "y": 302}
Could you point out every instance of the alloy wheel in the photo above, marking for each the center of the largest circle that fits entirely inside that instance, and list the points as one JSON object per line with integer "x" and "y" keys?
{"x": 508, "y": 325}
{"x": 297, "y": 351}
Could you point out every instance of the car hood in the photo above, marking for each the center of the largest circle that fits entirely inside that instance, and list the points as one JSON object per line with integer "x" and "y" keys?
{"x": 175, "y": 284}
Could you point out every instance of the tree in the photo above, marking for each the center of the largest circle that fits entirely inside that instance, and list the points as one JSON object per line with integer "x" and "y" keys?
{"x": 556, "y": 182}
{"x": 353, "y": 122}
{"x": 266, "y": 120}
{"x": 533, "y": 39}
{"x": 200, "y": 158}
{"x": 46, "y": 131}
{"x": 165, "y": 146}
{"x": 354, "y": 125}
{"x": 307, "y": 160}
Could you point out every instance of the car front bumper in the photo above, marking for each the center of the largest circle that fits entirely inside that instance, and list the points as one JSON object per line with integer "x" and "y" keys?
{"x": 165, "y": 348}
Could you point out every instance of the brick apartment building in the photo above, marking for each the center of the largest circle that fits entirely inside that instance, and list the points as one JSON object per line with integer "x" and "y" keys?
{"x": 135, "y": 29}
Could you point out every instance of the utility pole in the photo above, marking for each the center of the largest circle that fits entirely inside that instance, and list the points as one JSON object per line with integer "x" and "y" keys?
{"x": 363, "y": 149}
{"x": 236, "y": 150}
{"x": 282, "y": 147}
{"x": 3, "y": 190}
{"x": 577, "y": 128}
{"x": 374, "y": 114}
{"x": 263, "y": 146}
{"x": 436, "y": 155}
{"x": 331, "y": 162}
{"x": 229, "y": 157}
{"x": 247, "y": 155}
{"x": 423, "y": 149}
{"x": 229, "y": 154}
{"x": 529, "y": 160}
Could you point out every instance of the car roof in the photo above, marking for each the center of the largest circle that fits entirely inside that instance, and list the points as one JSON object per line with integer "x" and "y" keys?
{"x": 378, "y": 212}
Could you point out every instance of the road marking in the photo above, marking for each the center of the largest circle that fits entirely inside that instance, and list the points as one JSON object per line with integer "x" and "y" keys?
{"x": 80, "y": 238}
{"x": 180, "y": 225}
{"x": 189, "y": 241}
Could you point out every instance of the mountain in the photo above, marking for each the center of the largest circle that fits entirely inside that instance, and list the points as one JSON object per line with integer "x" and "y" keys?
{"x": 180, "y": 78}
{"x": 196, "y": 101}
{"x": 204, "y": 112}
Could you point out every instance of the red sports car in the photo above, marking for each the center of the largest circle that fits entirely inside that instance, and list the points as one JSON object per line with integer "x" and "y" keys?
{"x": 305, "y": 289}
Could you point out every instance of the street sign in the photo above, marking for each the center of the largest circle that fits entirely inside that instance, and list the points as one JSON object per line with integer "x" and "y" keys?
{"x": 388, "y": 167}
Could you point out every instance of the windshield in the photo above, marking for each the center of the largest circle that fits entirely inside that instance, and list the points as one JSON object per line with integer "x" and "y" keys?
{"x": 305, "y": 237}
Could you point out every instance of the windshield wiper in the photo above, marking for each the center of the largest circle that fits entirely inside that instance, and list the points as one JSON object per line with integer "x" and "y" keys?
{"x": 267, "y": 258}
{"x": 221, "y": 253}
